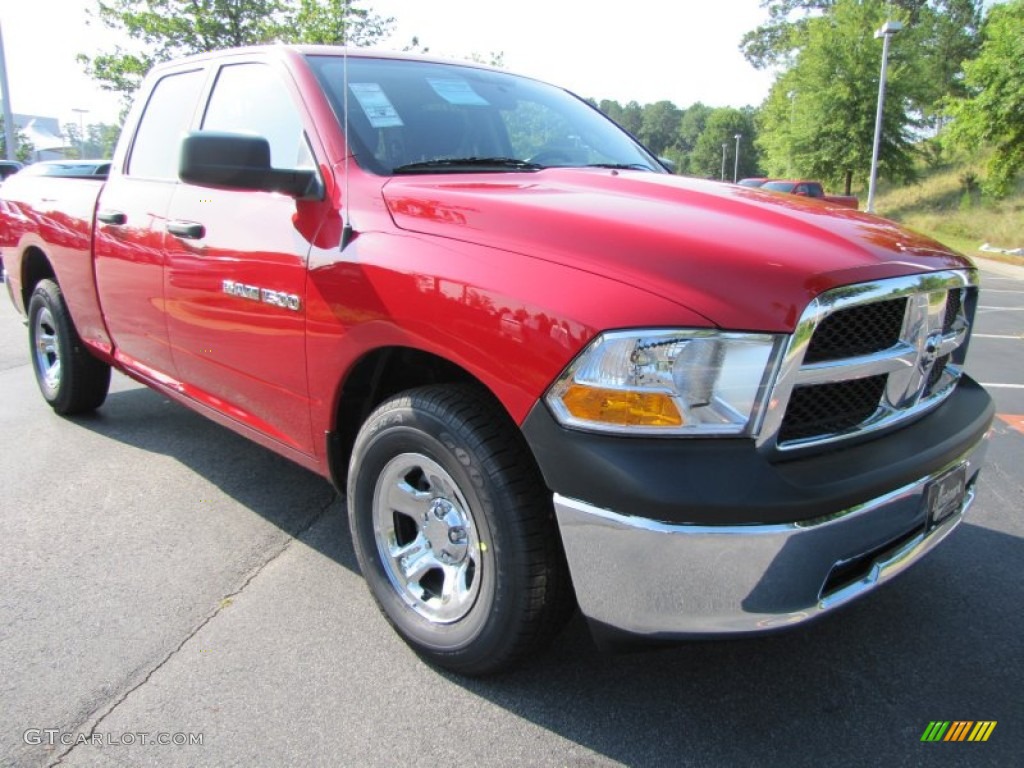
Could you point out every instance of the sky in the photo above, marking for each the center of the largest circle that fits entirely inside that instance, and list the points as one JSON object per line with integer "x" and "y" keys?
{"x": 644, "y": 50}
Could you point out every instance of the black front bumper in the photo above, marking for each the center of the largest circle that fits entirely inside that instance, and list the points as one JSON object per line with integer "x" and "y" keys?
{"x": 730, "y": 482}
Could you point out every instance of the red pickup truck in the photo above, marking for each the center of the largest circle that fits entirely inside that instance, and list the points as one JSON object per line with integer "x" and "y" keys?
{"x": 543, "y": 371}
{"x": 812, "y": 189}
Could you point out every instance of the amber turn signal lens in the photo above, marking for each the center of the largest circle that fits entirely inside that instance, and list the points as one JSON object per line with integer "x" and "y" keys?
{"x": 629, "y": 409}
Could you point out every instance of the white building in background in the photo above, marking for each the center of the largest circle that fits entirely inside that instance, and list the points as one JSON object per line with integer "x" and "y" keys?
{"x": 44, "y": 132}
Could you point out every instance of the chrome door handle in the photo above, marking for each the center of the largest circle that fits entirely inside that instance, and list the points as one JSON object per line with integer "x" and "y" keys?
{"x": 112, "y": 217}
{"x": 190, "y": 230}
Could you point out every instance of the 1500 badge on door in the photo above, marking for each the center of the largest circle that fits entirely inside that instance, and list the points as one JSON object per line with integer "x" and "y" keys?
{"x": 265, "y": 295}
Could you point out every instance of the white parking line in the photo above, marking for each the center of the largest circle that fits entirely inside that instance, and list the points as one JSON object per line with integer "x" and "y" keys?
{"x": 1001, "y": 386}
{"x": 997, "y": 336}
{"x": 998, "y": 290}
{"x": 1002, "y": 309}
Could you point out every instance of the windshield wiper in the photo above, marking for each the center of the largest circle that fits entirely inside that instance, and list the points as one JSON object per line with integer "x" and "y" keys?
{"x": 621, "y": 166}
{"x": 467, "y": 164}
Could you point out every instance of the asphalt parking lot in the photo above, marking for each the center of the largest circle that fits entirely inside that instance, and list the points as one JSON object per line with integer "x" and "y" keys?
{"x": 162, "y": 579}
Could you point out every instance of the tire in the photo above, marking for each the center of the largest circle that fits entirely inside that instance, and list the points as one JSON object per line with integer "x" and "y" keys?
{"x": 70, "y": 379}
{"x": 454, "y": 530}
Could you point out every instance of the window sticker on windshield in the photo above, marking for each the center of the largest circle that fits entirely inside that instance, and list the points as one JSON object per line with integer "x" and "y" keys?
{"x": 457, "y": 91}
{"x": 375, "y": 103}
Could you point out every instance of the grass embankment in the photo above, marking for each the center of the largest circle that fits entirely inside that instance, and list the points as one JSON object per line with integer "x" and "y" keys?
{"x": 948, "y": 206}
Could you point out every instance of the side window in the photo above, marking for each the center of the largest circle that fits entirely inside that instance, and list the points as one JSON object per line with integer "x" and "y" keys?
{"x": 167, "y": 117}
{"x": 250, "y": 98}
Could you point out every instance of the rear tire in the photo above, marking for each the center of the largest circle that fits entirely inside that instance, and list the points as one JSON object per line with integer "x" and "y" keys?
{"x": 454, "y": 530}
{"x": 70, "y": 379}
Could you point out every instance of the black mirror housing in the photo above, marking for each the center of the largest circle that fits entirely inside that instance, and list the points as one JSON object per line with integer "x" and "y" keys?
{"x": 240, "y": 161}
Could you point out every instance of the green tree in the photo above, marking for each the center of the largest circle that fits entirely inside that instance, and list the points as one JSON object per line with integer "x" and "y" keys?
{"x": 491, "y": 59}
{"x": 819, "y": 117}
{"x": 774, "y": 42}
{"x": 336, "y": 22}
{"x": 611, "y": 108}
{"x": 159, "y": 30}
{"x": 994, "y": 113}
{"x": 941, "y": 33}
{"x": 23, "y": 148}
{"x": 948, "y": 35}
{"x": 99, "y": 142}
{"x": 632, "y": 118}
{"x": 721, "y": 128}
{"x": 691, "y": 125}
{"x": 659, "y": 126}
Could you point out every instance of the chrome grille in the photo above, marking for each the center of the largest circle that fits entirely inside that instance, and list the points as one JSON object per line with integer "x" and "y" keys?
{"x": 953, "y": 306}
{"x": 869, "y": 356}
{"x": 822, "y": 409}
{"x": 859, "y": 330}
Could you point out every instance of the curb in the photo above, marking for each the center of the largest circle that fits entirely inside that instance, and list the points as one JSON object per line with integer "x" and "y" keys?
{"x": 998, "y": 267}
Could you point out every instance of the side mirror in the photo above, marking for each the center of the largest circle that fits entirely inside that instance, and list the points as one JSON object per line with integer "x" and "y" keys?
{"x": 240, "y": 161}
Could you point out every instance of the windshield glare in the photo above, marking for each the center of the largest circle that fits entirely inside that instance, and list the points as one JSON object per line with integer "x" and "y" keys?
{"x": 404, "y": 113}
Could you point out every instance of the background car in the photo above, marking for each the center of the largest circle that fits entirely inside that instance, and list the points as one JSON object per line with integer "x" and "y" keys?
{"x": 76, "y": 168}
{"x": 7, "y": 167}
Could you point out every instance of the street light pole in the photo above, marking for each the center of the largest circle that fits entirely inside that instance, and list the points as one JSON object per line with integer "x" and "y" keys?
{"x": 736, "y": 167}
{"x": 888, "y": 29}
{"x": 81, "y": 131}
{"x": 725, "y": 146}
{"x": 9, "y": 133}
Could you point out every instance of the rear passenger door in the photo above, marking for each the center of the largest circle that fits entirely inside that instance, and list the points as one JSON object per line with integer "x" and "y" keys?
{"x": 131, "y": 220}
{"x": 236, "y": 267}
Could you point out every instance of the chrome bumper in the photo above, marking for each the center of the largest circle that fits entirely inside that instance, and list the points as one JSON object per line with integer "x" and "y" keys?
{"x": 647, "y": 578}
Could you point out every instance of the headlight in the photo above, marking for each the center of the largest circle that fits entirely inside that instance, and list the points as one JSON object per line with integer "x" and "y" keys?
{"x": 668, "y": 382}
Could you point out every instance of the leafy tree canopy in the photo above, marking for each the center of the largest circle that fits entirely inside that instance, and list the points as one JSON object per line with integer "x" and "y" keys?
{"x": 23, "y": 148}
{"x": 819, "y": 118}
{"x": 98, "y": 142}
{"x": 160, "y": 30}
{"x": 659, "y": 126}
{"x": 692, "y": 124}
{"x": 994, "y": 112}
{"x": 941, "y": 33}
{"x": 721, "y": 128}
{"x": 691, "y": 138}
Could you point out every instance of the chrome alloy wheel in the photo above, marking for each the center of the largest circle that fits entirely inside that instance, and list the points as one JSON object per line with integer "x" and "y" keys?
{"x": 47, "y": 351}
{"x": 427, "y": 538}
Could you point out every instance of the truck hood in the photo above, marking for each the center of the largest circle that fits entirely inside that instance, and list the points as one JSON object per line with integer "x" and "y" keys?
{"x": 742, "y": 258}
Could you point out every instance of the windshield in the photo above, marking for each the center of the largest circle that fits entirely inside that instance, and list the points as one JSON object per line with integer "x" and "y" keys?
{"x": 778, "y": 186}
{"x": 420, "y": 117}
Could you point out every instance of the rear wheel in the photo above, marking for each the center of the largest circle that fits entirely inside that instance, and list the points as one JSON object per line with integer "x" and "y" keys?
{"x": 454, "y": 530}
{"x": 70, "y": 379}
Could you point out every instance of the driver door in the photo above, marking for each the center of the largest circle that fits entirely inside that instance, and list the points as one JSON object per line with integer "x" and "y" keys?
{"x": 236, "y": 269}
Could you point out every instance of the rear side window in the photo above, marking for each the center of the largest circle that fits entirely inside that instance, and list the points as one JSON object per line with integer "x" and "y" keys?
{"x": 251, "y": 98}
{"x": 167, "y": 117}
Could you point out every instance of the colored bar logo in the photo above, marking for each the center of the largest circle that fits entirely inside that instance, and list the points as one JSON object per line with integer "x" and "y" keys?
{"x": 958, "y": 730}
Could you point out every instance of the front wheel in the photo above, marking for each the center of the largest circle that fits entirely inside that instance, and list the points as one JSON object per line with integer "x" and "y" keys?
{"x": 70, "y": 379}
{"x": 454, "y": 530}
